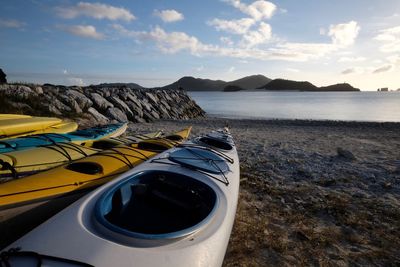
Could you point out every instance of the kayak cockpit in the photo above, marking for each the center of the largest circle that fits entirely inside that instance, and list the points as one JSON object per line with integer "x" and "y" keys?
{"x": 156, "y": 205}
{"x": 215, "y": 142}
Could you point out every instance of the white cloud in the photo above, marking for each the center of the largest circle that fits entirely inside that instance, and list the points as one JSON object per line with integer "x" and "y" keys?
{"x": 292, "y": 70}
{"x": 200, "y": 68}
{"x": 87, "y": 31}
{"x": 231, "y": 69}
{"x": 258, "y": 10}
{"x": 344, "y": 34}
{"x": 394, "y": 59}
{"x": 65, "y": 72}
{"x": 306, "y": 51}
{"x": 226, "y": 40}
{"x": 169, "y": 15}
{"x": 95, "y": 10}
{"x": 261, "y": 35}
{"x": 75, "y": 81}
{"x": 384, "y": 68}
{"x": 390, "y": 39}
{"x": 173, "y": 42}
{"x": 352, "y": 59}
{"x": 11, "y": 23}
{"x": 240, "y": 26}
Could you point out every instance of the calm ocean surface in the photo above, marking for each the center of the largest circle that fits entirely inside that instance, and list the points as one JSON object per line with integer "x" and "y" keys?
{"x": 349, "y": 106}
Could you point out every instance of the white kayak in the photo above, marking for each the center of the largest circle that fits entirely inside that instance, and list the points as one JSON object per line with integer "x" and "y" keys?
{"x": 176, "y": 209}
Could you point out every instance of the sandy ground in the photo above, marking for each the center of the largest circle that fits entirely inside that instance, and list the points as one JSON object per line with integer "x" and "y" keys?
{"x": 313, "y": 193}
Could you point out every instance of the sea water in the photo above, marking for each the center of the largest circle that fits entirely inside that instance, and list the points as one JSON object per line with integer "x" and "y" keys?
{"x": 348, "y": 106}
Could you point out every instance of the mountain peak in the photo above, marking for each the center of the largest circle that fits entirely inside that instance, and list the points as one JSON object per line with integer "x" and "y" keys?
{"x": 190, "y": 83}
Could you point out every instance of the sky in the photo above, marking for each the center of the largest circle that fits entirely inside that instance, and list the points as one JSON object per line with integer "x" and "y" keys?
{"x": 154, "y": 43}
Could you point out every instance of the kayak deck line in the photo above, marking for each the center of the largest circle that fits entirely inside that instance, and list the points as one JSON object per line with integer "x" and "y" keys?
{"x": 91, "y": 171}
{"x": 180, "y": 161}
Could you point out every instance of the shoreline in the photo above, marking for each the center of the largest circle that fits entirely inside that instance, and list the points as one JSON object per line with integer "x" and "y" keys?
{"x": 308, "y": 122}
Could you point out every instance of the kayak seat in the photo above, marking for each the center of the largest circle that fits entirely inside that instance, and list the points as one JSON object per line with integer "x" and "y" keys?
{"x": 104, "y": 144}
{"x": 214, "y": 142}
{"x": 85, "y": 167}
{"x": 160, "y": 204}
{"x": 152, "y": 146}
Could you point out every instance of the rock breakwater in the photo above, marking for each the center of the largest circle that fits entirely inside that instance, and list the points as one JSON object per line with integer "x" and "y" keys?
{"x": 98, "y": 104}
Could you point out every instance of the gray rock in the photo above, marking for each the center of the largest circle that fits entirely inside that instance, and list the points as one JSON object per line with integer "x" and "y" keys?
{"x": 346, "y": 154}
{"x": 21, "y": 106}
{"x": 100, "y": 102}
{"x": 38, "y": 90}
{"x": 163, "y": 111}
{"x": 122, "y": 106}
{"x": 134, "y": 99}
{"x": 57, "y": 105}
{"x": 152, "y": 97}
{"x": 20, "y": 91}
{"x": 70, "y": 102}
{"x": 54, "y": 110}
{"x": 155, "y": 114}
{"x": 146, "y": 105}
{"x": 100, "y": 118}
{"x": 135, "y": 109}
{"x": 84, "y": 102}
{"x": 166, "y": 95}
{"x": 116, "y": 114}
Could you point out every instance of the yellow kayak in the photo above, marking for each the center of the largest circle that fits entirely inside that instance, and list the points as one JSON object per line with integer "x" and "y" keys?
{"x": 14, "y": 125}
{"x": 16, "y": 164}
{"x": 85, "y": 173}
{"x": 13, "y": 116}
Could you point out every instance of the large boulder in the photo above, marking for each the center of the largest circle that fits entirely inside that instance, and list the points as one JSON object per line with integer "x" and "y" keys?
{"x": 56, "y": 106}
{"x": 100, "y": 102}
{"x": 135, "y": 109}
{"x": 18, "y": 91}
{"x": 2, "y": 77}
{"x": 70, "y": 102}
{"x": 116, "y": 114}
{"x": 84, "y": 102}
{"x": 100, "y": 118}
{"x": 152, "y": 98}
{"x": 122, "y": 106}
{"x": 38, "y": 90}
{"x": 134, "y": 99}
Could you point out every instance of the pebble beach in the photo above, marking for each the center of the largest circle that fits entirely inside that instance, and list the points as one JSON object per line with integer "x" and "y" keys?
{"x": 312, "y": 193}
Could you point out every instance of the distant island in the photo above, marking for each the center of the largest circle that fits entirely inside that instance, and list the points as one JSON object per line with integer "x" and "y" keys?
{"x": 196, "y": 84}
{"x": 255, "y": 82}
{"x": 304, "y": 86}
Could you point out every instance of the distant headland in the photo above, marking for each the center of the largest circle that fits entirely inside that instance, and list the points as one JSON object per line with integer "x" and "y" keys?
{"x": 254, "y": 82}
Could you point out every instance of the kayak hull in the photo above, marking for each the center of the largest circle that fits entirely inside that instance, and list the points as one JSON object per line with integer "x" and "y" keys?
{"x": 12, "y": 126}
{"x": 84, "y": 238}
{"x": 81, "y": 137}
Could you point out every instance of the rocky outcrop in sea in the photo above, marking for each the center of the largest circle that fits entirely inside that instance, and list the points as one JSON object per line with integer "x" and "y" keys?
{"x": 99, "y": 104}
